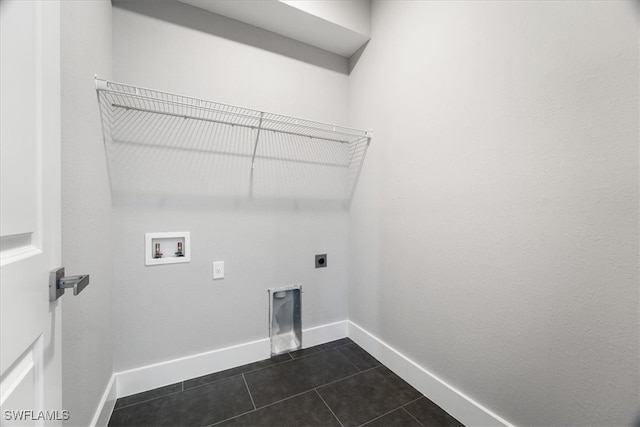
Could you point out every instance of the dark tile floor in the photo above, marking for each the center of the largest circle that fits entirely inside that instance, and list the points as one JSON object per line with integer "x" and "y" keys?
{"x": 333, "y": 384}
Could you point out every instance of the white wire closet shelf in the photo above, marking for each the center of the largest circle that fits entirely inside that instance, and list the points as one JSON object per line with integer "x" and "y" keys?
{"x": 158, "y": 143}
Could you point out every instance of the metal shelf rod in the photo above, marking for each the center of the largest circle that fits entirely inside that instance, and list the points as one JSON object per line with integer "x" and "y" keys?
{"x": 139, "y": 124}
{"x": 223, "y": 122}
{"x": 356, "y": 133}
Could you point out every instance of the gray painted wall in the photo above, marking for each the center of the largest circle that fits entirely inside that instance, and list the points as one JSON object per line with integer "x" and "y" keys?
{"x": 494, "y": 235}
{"x": 86, "y": 209}
{"x": 168, "y": 311}
{"x": 495, "y": 221}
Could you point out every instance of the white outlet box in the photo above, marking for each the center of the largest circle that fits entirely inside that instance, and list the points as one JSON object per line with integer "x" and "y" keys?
{"x": 218, "y": 270}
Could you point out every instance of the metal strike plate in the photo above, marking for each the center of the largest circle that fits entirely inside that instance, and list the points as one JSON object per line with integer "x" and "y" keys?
{"x": 58, "y": 283}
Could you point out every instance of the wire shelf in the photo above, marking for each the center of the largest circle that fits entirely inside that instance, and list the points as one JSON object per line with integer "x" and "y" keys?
{"x": 163, "y": 143}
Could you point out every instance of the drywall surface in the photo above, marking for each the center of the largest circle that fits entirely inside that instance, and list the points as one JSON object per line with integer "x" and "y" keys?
{"x": 326, "y": 28}
{"x": 169, "y": 311}
{"x": 86, "y": 209}
{"x": 352, "y": 14}
{"x": 494, "y": 233}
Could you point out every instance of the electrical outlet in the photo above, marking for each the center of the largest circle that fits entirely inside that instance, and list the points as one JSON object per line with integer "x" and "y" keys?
{"x": 321, "y": 261}
{"x": 218, "y": 270}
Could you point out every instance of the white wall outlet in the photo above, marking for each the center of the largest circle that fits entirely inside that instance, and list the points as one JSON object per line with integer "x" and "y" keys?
{"x": 218, "y": 270}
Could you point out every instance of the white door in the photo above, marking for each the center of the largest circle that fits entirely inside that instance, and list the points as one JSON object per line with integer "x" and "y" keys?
{"x": 30, "y": 382}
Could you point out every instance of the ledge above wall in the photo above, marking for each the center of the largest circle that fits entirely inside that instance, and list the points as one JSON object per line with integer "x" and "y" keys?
{"x": 339, "y": 27}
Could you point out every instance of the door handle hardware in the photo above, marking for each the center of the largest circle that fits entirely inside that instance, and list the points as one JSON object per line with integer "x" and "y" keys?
{"x": 58, "y": 283}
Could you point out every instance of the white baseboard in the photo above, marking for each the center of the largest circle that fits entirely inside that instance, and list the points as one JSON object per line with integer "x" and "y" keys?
{"x": 133, "y": 381}
{"x": 460, "y": 406}
{"x": 172, "y": 371}
{"x": 324, "y": 333}
{"x": 105, "y": 407}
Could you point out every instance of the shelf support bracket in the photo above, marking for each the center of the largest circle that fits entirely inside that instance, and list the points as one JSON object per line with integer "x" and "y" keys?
{"x": 255, "y": 147}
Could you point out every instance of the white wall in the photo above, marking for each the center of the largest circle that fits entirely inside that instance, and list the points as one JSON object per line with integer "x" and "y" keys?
{"x": 494, "y": 234}
{"x": 86, "y": 209}
{"x": 352, "y": 14}
{"x": 168, "y": 311}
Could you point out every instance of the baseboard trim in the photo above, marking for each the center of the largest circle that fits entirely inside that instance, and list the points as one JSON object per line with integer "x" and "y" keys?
{"x": 324, "y": 333}
{"x": 161, "y": 374}
{"x": 105, "y": 407}
{"x": 452, "y": 400}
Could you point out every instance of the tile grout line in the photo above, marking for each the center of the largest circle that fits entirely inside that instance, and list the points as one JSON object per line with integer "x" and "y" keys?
{"x": 411, "y": 415}
{"x": 338, "y": 348}
{"x": 187, "y": 389}
{"x": 295, "y": 395}
{"x": 395, "y": 409}
{"x": 401, "y": 407}
{"x": 260, "y": 408}
{"x": 328, "y": 407}
{"x": 317, "y": 352}
{"x": 212, "y": 382}
{"x": 350, "y": 362}
{"x": 265, "y": 406}
{"x": 249, "y": 391}
{"x": 348, "y": 376}
{"x": 315, "y": 389}
{"x": 414, "y": 400}
{"x": 380, "y": 416}
{"x": 286, "y": 398}
{"x": 245, "y": 381}
{"x": 235, "y": 375}
{"x": 247, "y": 372}
{"x": 305, "y": 391}
{"x": 280, "y": 363}
{"x": 270, "y": 366}
{"x": 230, "y": 418}
{"x": 148, "y": 400}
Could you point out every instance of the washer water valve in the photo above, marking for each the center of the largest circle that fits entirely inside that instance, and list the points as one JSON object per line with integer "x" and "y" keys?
{"x": 179, "y": 253}
{"x": 157, "y": 253}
